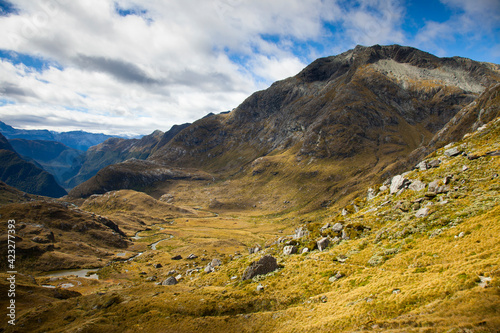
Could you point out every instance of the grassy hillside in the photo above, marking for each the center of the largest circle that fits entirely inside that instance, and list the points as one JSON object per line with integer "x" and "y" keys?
{"x": 424, "y": 258}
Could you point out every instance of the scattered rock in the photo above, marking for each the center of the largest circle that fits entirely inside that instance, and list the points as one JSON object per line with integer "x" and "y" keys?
{"x": 422, "y": 166}
{"x": 336, "y": 277}
{"x": 398, "y": 183}
{"x": 300, "y": 232}
{"x": 345, "y": 235}
{"x": 324, "y": 299}
{"x": 337, "y": 227}
{"x": 264, "y": 265}
{"x": 157, "y": 265}
{"x": 371, "y": 194}
{"x": 192, "y": 256}
{"x": 178, "y": 257}
{"x": 305, "y": 250}
{"x": 422, "y": 212}
{"x": 172, "y": 272}
{"x": 452, "y": 152}
{"x": 465, "y": 168}
{"x": 433, "y": 163}
{"x": 344, "y": 212}
{"x": 485, "y": 281}
{"x": 178, "y": 277}
{"x": 290, "y": 249}
{"x": 323, "y": 243}
{"x": 216, "y": 262}
{"x": 170, "y": 281}
{"x": 460, "y": 235}
{"x": 151, "y": 279}
{"x": 209, "y": 269}
{"x": 260, "y": 287}
{"x": 396, "y": 291}
{"x": 417, "y": 186}
{"x": 433, "y": 186}
{"x": 326, "y": 226}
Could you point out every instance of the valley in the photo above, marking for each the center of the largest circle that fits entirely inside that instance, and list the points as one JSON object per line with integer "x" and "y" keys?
{"x": 361, "y": 195}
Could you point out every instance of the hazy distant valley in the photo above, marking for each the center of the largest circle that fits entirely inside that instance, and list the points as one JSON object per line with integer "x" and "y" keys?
{"x": 360, "y": 195}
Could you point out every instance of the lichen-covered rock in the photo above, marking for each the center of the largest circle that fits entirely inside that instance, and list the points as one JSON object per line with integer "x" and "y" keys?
{"x": 170, "y": 281}
{"x": 264, "y": 265}
{"x": 398, "y": 183}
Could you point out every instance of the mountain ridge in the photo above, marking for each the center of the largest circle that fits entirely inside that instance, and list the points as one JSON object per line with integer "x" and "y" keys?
{"x": 361, "y": 112}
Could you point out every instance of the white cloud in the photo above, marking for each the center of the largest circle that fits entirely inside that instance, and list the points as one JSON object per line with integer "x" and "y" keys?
{"x": 173, "y": 61}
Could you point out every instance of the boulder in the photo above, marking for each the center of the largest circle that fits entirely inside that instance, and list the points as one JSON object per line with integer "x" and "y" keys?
{"x": 170, "y": 281}
{"x": 422, "y": 166}
{"x": 300, "y": 232}
{"x": 192, "y": 256}
{"x": 178, "y": 257}
{"x": 398, "y": 183}
{"x": 433, "y": 163}
{"x": 433, "y": 186}
{"x": 216, "y": 262}
{"x": 417, "y": 186}
{"x": 157, "y": 265}
{"x": 209, "y": 269}
{"x": 370, "y": 194}
{"x": 422, "y": 212}
{"x": 290, "y": 249}
{"x": 452, "y": 152}
{"x": 323, "y": 243}
{"x": 264, "y": 265}
{"x": 337, "y": 227}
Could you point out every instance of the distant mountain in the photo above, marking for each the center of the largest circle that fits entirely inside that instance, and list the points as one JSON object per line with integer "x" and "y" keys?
{"x": 54, "y": 157}
{"x": 116, "y": 150}
{"x": 318, "y": 136}
{"x": 75, "y": 139}
{"x": 26, "y": 176}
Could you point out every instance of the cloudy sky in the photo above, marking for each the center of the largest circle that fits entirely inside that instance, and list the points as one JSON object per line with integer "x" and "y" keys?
{"x": 133, "y": 66}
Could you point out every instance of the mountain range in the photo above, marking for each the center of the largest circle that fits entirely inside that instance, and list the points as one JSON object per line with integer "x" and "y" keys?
{"x": 74, "y": 139}
{"x": 344, "y": 120}
{"x": 361, "y": 195}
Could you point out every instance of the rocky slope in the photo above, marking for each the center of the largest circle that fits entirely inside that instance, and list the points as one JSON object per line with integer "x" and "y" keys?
{"x": 26, "y": 176}
{"x": 342, "y": 121}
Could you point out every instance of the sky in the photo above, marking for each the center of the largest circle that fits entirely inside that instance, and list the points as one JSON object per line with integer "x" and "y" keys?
{"x": 129, "y": 67}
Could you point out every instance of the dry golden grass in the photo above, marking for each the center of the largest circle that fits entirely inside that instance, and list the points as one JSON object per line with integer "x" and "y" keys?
{"x": 425, "y": 279}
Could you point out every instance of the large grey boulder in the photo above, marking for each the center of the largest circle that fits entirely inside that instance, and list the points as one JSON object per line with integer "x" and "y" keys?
{"x": 398, "y": 183}
{"x": 264, "y": 265}
{"x": 170, "y": 281}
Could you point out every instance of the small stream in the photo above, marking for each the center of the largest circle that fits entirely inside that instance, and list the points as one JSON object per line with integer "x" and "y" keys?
{"x": 85, "y": 273}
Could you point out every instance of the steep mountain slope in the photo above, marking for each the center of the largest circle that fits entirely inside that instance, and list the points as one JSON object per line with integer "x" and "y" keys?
{"x": 54, "y": 157}
{"x": 316, "y": 137}
{"x": 111, "y": 151}
{"x": 75, "y": 139}
{"x": 26, "y": 176}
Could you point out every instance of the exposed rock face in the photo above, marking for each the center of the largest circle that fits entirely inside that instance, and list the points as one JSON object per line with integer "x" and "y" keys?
{"x": 264, "y": 265}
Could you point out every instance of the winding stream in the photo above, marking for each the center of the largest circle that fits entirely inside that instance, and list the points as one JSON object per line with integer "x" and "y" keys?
{"x": 85, "y": 273}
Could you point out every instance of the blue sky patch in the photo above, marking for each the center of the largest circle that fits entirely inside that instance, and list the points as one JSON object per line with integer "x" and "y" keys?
{"x": 7, "y": 8}
{"x": 37, "y": 63}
